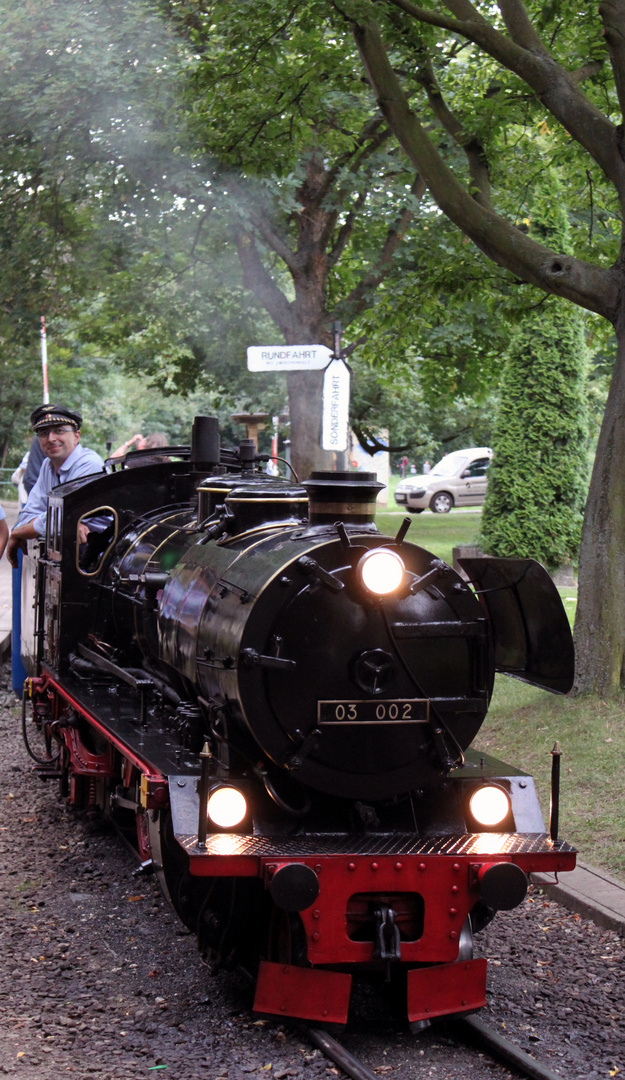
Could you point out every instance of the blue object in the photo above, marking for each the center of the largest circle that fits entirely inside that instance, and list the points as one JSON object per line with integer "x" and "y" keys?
{"x": 18, "y": 671}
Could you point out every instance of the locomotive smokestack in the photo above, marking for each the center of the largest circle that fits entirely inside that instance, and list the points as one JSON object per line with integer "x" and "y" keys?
{"x": 344, "y": 496}
{"x": 205, "y": 441}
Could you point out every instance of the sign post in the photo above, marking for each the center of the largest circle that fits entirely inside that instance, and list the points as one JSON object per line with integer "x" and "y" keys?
{"x": 335, "y": 406}
{"x": 336, "y": 383}
{"x": 44, "y": 362}
{"x": 287, "y": 357}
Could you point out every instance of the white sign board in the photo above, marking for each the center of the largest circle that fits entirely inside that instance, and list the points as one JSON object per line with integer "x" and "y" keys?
{"x": 335, "y": 406}
{"x": 287, "y": 357}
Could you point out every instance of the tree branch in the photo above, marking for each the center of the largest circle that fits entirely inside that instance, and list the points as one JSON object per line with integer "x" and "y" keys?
{"x": 519, "y": 27}
{"x": 345, "y": 231}
{"x": 612, "y": 13}
{"x": 356, "y": 300}
{"x": 371, "y": 445}
{"x": 591, "y": 68}
{"x": 275, "y": 242}
{"x": 476, "y": 157}
{"x": 585, "y": 284}
{"x": 550, "y": 82}
{"x": 369, "y": 140}
{"x": 258, "y": 280}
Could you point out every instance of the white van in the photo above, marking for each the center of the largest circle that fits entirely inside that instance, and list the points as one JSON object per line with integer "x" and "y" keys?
{"x": 459, "y": 479}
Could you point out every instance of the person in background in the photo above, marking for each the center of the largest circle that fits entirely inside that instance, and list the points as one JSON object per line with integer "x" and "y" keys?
{"x": 4, "y": 531}
{"x": 36, "y": 458}
{"x": 151, "y": 442}
{"x": 17, "y": 478}
{"x": 135, "y": 442}
{"x": 58, "y": 431}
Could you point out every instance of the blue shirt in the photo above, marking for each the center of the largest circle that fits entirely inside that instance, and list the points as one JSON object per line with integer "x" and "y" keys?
{"x": 81, "y": 462}
{"x": 2, "y": 514}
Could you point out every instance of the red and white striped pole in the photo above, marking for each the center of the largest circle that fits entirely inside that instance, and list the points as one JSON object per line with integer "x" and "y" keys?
{"x": 44, "y": 362}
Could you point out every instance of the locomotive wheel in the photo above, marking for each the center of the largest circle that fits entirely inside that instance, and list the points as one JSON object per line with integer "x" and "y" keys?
{"x": 286, "y": 939}
{"x": 168, "y": 866}
{"x": 465, "y": 945}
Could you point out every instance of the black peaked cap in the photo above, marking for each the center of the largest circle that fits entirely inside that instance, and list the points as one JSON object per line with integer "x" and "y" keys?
{"x": 50, "y": 415}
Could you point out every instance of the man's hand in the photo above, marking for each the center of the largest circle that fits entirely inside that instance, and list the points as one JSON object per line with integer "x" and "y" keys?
{"x": 83, "y": 533}
{"x": 17, "y": 540}
{"x": 13, "y": 546}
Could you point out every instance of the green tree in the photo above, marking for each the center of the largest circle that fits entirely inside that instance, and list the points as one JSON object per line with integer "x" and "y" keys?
{"x": 316, "y": 199}
{"x": 273, "y": 202}
{"x": 491, "y": 78}
{"x": 537, "y": 480}
{"x": 65, "y": 201}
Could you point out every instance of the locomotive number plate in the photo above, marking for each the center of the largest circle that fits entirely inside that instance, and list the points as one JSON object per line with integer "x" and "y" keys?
{"x": 382, "y": 711}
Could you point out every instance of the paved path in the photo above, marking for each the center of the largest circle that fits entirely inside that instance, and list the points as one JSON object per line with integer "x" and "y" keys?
{"x": 592, "y": 893}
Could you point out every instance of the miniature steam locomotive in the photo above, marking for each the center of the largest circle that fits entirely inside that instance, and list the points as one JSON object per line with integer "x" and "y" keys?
{"x": 278, "y": 702}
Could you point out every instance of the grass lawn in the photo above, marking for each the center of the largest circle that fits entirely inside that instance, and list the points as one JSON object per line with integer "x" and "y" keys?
{"x": 524, "y": 722}
{"x": 521, "y": 727}
{"x": 438, "y": 533}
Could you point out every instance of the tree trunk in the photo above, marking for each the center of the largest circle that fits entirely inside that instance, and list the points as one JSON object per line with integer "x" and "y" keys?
{"x": 600, "y": 621}
{"x": 305, "y": 409}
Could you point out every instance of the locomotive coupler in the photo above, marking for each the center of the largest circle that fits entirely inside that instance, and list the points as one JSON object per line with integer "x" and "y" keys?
{"x": 387, "y": 941}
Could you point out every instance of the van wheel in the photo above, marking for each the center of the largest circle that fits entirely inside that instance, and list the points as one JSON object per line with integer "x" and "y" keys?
{"x": 441, "y": 503}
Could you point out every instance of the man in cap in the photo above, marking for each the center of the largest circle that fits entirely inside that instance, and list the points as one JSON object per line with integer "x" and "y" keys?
{"x": 58, "y": 431}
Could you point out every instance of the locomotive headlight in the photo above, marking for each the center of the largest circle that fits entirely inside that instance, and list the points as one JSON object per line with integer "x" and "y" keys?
{"x": 489, "y": 805}
{"x": 226, "y": 807}
{"x": 381, "y": 571}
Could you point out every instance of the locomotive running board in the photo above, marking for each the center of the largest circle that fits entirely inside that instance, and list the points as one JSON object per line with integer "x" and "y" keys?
{"x": 532, "y": 637}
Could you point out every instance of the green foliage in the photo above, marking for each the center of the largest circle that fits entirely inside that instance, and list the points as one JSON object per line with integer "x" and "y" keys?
{"x": 137, "y": 150}
{"x": 394, "y": 398}
{"x": 538, "y": 477}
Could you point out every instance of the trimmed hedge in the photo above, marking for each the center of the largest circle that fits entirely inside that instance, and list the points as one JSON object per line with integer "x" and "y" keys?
{"x": 537, "y": 480}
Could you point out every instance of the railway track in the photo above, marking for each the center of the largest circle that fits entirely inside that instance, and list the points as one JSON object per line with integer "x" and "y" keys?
{"x": 469, "y": 1031}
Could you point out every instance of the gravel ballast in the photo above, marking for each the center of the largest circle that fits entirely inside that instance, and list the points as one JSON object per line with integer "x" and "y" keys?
{"x": 98, "y": 978}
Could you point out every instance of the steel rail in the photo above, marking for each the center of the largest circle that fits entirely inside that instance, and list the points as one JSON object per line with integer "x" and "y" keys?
{"x": 483, "y": 1035}
{"x": 469, "y": 1028}
{"x": 338, "y": 1054}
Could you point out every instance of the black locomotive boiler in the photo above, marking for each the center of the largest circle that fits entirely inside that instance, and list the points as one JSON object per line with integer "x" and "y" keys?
{"x": 279, "y": 702}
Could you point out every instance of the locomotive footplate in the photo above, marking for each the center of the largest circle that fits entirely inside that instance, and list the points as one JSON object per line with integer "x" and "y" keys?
{"x": 431, "y": 883}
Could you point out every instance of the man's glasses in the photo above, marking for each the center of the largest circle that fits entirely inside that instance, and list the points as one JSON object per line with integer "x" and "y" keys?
{"x": 48, "y": 432}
